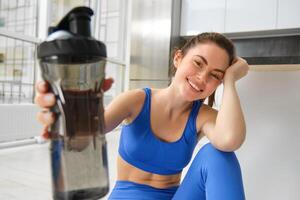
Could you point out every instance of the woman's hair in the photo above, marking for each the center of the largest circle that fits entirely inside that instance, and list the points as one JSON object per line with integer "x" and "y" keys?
{"x": 206, "y": 37}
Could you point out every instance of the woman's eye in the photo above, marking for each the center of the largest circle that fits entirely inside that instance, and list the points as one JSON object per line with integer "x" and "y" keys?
{"x": 197, "y": 63}
{"x": 216, "y": 76}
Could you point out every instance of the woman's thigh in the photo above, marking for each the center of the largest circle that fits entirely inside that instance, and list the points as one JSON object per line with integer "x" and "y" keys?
{"x": 213, "y": 175}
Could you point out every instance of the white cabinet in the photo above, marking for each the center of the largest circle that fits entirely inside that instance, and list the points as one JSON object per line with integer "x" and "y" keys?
{"x": 202, "y": 15}
{"x": 229, "y": 16}
{"x": 250, "y": 15}
{"x": 288, "y": 14}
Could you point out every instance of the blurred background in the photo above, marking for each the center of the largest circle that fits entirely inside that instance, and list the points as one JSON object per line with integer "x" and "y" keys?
{"x": 140, "y": 36}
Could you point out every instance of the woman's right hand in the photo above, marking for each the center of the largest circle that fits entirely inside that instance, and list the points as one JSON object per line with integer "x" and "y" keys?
{"x": 45, "y": 100}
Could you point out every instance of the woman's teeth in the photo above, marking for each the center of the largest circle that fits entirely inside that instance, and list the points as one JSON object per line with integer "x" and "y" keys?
{"x": 194, "y": 86}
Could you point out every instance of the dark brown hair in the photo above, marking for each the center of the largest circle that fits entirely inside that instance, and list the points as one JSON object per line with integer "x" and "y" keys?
{"x": 206, "y": 37}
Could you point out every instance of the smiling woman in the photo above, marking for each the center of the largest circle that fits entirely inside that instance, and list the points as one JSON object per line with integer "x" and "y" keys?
{"x": 215, "y": 47}
{"x": 200, "y": 62}
{"x": 163, "y": 126}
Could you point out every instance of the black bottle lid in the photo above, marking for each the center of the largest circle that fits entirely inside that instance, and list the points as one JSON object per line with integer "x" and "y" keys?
{"x": 71, "y": 41}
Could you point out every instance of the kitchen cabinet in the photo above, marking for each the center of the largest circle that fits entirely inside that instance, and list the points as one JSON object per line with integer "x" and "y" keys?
{"x": 288, "y": 14}
{"x": 254, "y": 15}
{"x": 231, "y": 16}
{"x": 201, "y": 16}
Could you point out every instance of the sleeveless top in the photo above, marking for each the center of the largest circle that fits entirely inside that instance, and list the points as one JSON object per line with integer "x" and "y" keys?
{"x": 142, "y": 149}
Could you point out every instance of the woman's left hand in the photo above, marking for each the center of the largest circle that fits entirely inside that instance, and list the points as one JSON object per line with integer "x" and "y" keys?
{"x": 237, "y": 70}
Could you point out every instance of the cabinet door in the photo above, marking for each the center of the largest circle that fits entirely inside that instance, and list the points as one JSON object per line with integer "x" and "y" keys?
{"x": 288, "y": 14}
{"x": 250, "y": 15}
{"x": 201, "y": 16}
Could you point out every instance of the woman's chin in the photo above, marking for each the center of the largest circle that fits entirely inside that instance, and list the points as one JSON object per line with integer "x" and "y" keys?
{"x": 190, "y": 95}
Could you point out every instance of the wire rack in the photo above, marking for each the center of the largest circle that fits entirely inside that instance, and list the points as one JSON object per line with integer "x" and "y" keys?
{"x": 18, "y": 41}
{"x": 18, "y": 19}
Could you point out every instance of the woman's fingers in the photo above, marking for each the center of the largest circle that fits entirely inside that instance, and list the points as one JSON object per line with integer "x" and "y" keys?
{"x": 45, "y": 100}
{"x": 42, "y": 86}
{"x": 46, "y": 117}
{"x": 107, "y": 84}
{"x": 45, "y": 134}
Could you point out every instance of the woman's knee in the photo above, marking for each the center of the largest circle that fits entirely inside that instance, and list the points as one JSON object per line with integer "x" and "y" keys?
{"x": 211, "y": 157}
{"x": 220, "y": 170}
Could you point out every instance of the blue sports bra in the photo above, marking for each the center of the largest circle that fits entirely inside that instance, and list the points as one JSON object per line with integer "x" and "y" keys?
{"x": 142, "y": 149}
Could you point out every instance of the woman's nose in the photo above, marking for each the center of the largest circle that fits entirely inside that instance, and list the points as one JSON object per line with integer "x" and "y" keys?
{"x": 202, "y": 78}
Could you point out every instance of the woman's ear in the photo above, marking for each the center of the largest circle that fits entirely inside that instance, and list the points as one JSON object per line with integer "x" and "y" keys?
{"x": 177, "y": 58}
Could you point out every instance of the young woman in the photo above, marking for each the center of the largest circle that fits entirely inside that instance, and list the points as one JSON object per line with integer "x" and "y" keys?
{"x": 162, "y": 127}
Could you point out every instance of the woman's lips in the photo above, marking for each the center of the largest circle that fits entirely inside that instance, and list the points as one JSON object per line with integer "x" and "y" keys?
{"x": 194, "y": 86}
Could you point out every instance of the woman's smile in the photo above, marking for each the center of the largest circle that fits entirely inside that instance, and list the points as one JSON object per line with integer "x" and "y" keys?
{"x": 194, "y": 86}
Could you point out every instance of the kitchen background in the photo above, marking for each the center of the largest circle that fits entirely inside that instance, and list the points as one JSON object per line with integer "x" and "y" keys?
{"x": 140, "y": 34}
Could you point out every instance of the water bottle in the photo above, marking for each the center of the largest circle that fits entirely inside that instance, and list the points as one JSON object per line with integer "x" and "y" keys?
{"x": 73, "y": 63}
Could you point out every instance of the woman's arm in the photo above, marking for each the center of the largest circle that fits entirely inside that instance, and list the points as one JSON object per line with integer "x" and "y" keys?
{"x": 226, "y": 129}
{"x": 122, "y": 107}
{"x": 227, "y": 132}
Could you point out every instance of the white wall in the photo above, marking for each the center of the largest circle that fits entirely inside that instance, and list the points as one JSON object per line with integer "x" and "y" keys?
{"x": 270, "y": 158}
{"x": 18, "y": 121}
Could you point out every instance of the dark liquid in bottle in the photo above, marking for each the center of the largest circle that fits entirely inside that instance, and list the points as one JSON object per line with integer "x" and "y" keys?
{"x": 79, "y": 159}
{"x": 84, "y": 112}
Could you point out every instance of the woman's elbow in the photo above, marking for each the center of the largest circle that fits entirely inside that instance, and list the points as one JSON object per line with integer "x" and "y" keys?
{"x": 231, "y": 143}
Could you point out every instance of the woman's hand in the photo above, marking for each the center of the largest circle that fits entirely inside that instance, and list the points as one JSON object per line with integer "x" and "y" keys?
{"x": 237, "y": 70}
{"x": 46, "y": 100}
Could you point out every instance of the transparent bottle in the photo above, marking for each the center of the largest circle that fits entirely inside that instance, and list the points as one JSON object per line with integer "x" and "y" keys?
{"x": 74, "y": 64}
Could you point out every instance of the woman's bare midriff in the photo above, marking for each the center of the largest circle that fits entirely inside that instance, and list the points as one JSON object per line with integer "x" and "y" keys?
{"x": 127, "y": 172}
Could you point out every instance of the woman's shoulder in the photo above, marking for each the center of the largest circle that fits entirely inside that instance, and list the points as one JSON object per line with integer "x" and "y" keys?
{"x": 205, "y": 114}
{"x": 131, "y": 98}
{"x": 135, "y": 99}
{"x": 135, "y": 94}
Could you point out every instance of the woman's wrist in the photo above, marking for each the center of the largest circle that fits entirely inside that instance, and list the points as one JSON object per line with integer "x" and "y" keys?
{"x": 229, "y": 79}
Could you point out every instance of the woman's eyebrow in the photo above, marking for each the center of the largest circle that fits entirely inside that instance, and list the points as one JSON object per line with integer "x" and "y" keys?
{"x": 204, "y": 60}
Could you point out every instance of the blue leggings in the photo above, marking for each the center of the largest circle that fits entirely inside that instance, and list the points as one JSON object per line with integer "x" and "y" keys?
{"x": 213, "y": 175}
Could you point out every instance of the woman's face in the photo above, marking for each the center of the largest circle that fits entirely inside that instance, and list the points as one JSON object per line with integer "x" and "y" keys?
{"x": 200, "y": 71}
